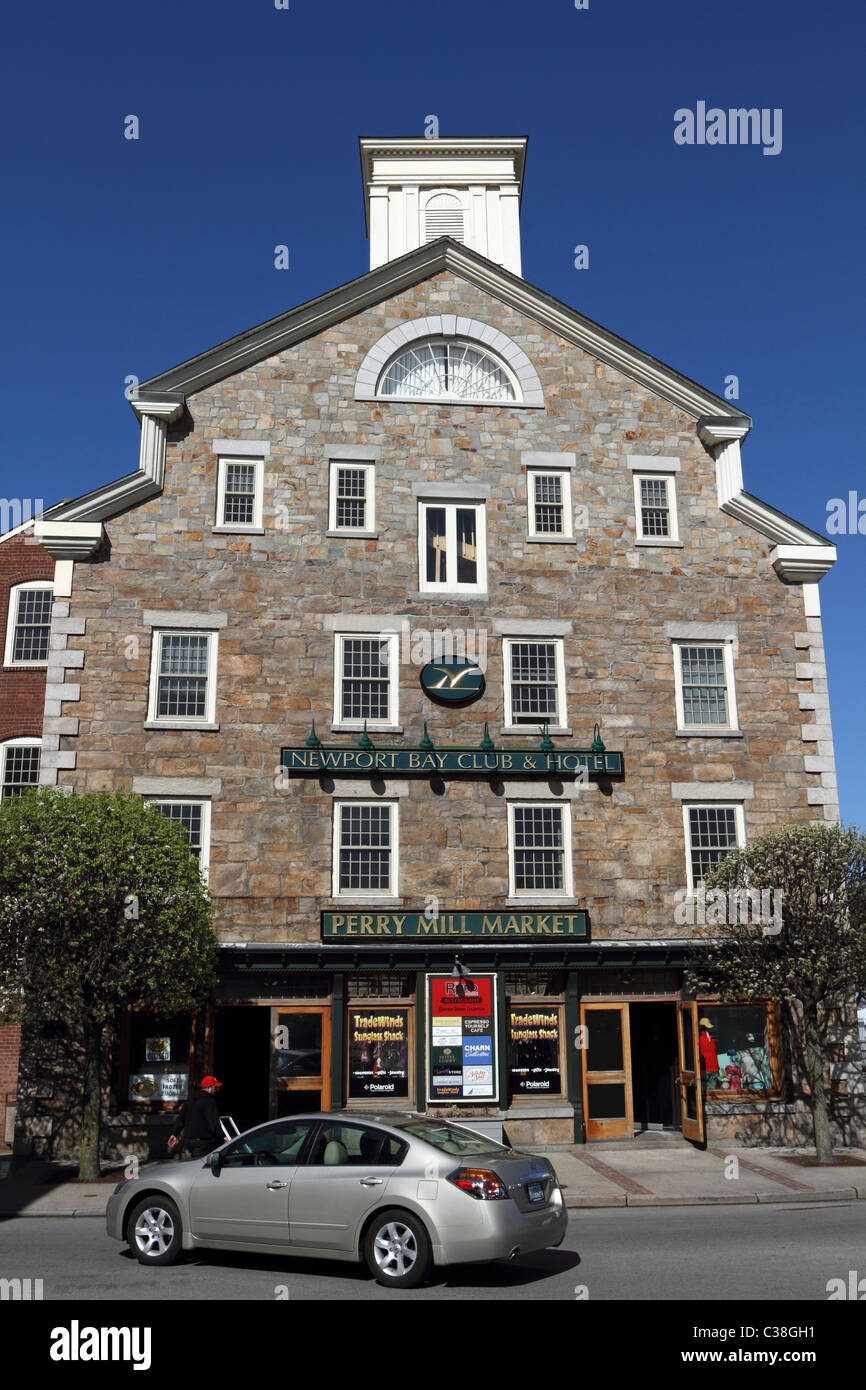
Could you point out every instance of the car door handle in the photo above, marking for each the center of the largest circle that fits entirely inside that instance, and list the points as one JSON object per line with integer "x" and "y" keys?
{"x": 371, "y": 1182}
{"x": 275, "y": 1185}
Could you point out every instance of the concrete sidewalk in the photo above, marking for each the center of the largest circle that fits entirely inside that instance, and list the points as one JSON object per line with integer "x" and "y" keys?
{"x": 592, "y": 1175}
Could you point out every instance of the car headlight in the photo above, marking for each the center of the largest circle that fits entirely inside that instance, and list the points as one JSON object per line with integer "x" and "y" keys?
{"x": 481, "y": 1183}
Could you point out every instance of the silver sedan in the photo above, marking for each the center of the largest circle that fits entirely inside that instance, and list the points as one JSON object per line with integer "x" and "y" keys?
{"x": 402, "y": 1192}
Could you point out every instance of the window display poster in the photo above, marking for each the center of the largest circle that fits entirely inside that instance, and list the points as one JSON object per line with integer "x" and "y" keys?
{"x": 378, "y": 1053}
{"x": 157, "y": 1049}
{"x": 533, "y": 1051}
{"x": 167, "y": 1085}
{"x": 461, "y": 1038}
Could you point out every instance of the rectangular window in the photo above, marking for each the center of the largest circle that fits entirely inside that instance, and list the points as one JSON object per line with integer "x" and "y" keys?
{"x": 534, "y": 1050}
{"x": 656, "y": 508}
{"x": 539, "y": 850}
{"x": 534, "y": 682}
{"x": 183, "y": 683}
{"x": 740, "y": 1053}
{"x": 379, "y": 1053}
{"x": 366, "y": 679}
{"x": 452, "y": 547}
{"x": 365, "y": 843}
{"x": 550, "y": 511}
{"x": 239, "y": 494}
{"x": 29, "y": 626}
{"x": 194, "y": 819}
{"x": 352, "y": 497}
{"x": 19, "y": 767}
{"x": 711, "y": 833}
{"x": 157, "y": 1054}
{"x": 705, "y": 686}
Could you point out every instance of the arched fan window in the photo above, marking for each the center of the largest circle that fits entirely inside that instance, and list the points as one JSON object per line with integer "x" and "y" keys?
{"x": 447, "y": 369}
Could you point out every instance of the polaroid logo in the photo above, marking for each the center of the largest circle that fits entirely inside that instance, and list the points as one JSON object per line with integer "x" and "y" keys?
{"x": 76, "y": 1343}
{"x": 383, "y": 1088}
{"x": 737, "y": 126}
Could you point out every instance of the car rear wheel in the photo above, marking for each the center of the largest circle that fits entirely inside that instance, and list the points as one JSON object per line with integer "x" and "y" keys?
{"x": 153, "y": 1232}
{"x": 397, "y": 1250}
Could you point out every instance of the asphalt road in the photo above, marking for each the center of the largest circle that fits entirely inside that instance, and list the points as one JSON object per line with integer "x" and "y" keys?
{"x": 772, "y": 1253}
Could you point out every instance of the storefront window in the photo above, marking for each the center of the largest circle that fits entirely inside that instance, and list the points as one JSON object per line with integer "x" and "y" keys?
{"x": 378, "y": 1053}
{"x": 158, "y": 1058}
{"x": 739, "y": 1051}
{"x": 534, "y": 1048}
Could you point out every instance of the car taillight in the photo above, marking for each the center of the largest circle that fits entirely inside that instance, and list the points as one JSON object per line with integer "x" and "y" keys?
{"x": 481, "y": 1183}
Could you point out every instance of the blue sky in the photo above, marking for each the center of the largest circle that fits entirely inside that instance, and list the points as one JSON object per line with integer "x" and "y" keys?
{"x": 123, "y": 257}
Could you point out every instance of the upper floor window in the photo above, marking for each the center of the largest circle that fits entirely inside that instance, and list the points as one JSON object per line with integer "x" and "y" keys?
{"x": 712, "y": 832}
{"x": 193, "y": 817}
{"x": 655, "y": 501}
{"x": 365, "y": 848}
{"x": 183, "y": 677}
{"x": 539, "y": 849}
{"x": 29, "y": 625}
{"x": 550, "y": 513}
{"x": 352, "y": 498}
{"x": 239, "y": 494}
{"x": 450, "y": 369}
{"x": 534, "y": 682}
{"x": 19, "y": 765}
{"x": 366, "y": 673}
{"x": 453, "y": 547}
{"x": 705, "y": 686}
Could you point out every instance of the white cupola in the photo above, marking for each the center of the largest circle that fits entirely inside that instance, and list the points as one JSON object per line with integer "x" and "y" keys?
{"x": 416, "y": 190}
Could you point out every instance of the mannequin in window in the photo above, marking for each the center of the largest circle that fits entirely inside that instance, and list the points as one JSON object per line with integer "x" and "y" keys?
{"x": 709, "y": 1056}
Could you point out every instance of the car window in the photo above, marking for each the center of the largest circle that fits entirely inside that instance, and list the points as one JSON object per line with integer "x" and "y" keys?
{"x": 451, "y": 1139}
{"x": 274, "y": 1146}
{"x": 355, "y": 1145}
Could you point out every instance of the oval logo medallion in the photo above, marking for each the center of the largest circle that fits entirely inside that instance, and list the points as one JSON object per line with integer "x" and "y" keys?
{"x": 452, "y": 682}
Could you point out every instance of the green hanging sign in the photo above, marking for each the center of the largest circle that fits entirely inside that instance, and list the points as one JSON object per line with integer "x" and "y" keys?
{"x": 452, "y": 762}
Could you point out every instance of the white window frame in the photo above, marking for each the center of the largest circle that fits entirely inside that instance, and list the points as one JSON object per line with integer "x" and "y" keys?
{"x": 566, "y": 892}
{"x": 701, "y": 730}
{"x": 561, "y": 720}
{"x": 366, "y": 894}
{"x": 26, "y": 742}
{"x": 450, "y": 342}
{"x": 669, "y": 479}
{"x": 564, "y": 475}
{"x": 451, "y": 507}
{"x": 12, "y": 623}
{"x": 392, "y": 720}
{"x": 205, "y": 804}
{"x": 739, "y": 824}
{"x": 230, "y": 527}
{"x": 205, "y": 720}
{"x": 369, "y": 471}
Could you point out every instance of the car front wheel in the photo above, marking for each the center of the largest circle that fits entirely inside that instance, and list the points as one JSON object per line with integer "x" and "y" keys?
{"x": 397, "y": 1250}
{"x": 153, "y": 1232}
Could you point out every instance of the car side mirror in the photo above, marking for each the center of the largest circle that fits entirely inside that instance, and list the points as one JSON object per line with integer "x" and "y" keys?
{"x": 214, "y": 1162}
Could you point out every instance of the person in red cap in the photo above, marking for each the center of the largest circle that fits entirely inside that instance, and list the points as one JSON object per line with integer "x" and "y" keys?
{"x": 199, "y": 1121}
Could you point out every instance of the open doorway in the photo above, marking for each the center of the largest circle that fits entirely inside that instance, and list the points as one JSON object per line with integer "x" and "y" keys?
{"x": 242, "y": 1061}
{"x": 654, "y": 1065}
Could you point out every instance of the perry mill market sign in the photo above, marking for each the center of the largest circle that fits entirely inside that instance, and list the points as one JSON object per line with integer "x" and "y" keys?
{"x": 546, "y": 926}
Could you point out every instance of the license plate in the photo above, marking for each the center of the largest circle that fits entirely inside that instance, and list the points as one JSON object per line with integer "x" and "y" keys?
{"x": 535, "y": 1192}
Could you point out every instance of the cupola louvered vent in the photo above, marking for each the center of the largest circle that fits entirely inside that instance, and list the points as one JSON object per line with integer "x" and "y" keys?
{"x": 443, "y": 217}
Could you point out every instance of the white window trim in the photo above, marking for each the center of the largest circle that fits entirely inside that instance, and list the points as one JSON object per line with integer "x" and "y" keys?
{"x": 669, "y": 479}
{"x": 28, "y": 741}
{"x": 565, "y": 894}
{"x": 206, "y": 721}
{"x": 451, "y": 587}
{"x": 702, "y": 730}
{"x": 12, "y": 623}
{"x": 561, "y": 720}
{"x": 223, "y": 527}
{"x": 370, "y": 894}
{"x": 369, "y": 471}
{"x": 392, "y": 722}
{"x": 205, "y": 804}
{"x": 564, "y": 475}
{"x": 739, "y": 822}
{"x": 447, "y": 398}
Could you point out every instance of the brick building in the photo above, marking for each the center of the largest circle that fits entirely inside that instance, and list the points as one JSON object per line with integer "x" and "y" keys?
{"x": 26, "y": 583}
{"x": 440, "y": 618}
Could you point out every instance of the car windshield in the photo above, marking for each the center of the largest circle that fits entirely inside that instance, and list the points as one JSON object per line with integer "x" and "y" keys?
{"x": 451, "y": 1139}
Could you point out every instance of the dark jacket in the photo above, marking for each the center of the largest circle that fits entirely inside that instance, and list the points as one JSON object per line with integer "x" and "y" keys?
{"x": 199, "y": 1119}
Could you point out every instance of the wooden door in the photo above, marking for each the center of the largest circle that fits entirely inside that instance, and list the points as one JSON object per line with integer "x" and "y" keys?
{"x": 607, "y": 1091}
{"x": 691, "y": 1097}
{"x": 301, "y": 1058}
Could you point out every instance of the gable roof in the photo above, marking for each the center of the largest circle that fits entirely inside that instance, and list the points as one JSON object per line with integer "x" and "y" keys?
{"x": 404, "y": 273}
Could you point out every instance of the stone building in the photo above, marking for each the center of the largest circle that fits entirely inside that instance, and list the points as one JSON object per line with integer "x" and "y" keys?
{"x": 440, "y": 618}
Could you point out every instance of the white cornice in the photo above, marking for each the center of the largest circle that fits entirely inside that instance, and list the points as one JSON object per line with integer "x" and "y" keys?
{"x": 155, "y": 415}
{"x": 69, "y": 540}
{"x": 802, "y": 564}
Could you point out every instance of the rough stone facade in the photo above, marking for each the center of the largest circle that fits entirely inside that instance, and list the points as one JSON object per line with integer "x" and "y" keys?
{"x": 283, "y": 594}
